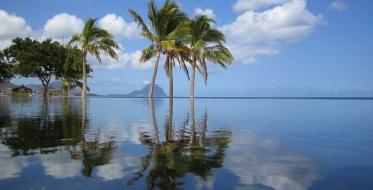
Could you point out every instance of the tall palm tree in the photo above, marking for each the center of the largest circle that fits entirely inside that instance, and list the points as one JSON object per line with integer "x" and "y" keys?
{"x": 206, "y": 45}
{"x": 95, "y": 41}
{"x": 162, "y": 22}
{"x": 72, "y": 70}
{"x": 176, "y": 51}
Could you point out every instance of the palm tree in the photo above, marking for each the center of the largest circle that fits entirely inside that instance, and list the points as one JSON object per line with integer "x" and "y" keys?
{"x": 72, "y": 70}
{"x": 176, "y": 51}
{"x": 163, "y": 21}
{"x": 206, "y": 44}
{"x": 95, "y": 41}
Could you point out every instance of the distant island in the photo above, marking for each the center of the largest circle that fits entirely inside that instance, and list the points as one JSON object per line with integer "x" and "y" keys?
{"x": 6, "y": 88}
{"x": 158, "y": 93}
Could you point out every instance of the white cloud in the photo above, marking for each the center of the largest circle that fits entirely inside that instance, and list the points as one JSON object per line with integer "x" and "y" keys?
{"x": 243, "y": 5}
{"x": 208, "y": 12}
{"x": 62, "y": 27}
{"x": 338, "y": 5}
{"x": 12, "y": 26}
{"x": 118, "y": 26}
{"x": 125, "y": 60}
{"x": 263, "y": 33}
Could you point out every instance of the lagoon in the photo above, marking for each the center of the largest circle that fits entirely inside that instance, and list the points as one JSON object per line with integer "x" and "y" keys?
{"x": 134, "y": 143}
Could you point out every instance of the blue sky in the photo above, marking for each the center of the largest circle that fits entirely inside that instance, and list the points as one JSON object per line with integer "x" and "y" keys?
{"x": 281, "y": 47}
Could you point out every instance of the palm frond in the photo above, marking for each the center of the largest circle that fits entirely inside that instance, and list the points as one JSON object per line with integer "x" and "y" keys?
{"x": 167, "y": 66}
{"x": 146, "y": 33}
{"x": 183, "y": 66}
{"x": 148, "y": 53}
{"x": 74, "y": 39}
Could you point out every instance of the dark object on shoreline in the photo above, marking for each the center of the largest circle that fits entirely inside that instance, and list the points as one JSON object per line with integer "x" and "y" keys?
{"x": 22, "y": 89}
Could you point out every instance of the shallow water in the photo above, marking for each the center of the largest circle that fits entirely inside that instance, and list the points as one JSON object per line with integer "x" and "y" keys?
{"x": 115, "y": 143}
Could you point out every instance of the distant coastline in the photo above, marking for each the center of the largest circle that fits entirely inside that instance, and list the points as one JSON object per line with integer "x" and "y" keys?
{"x": 232, "y": 97}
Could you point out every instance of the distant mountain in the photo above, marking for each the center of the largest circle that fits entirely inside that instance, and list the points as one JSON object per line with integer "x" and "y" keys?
{"x": 158, "y": 92}
{"x": 55, "y": 84}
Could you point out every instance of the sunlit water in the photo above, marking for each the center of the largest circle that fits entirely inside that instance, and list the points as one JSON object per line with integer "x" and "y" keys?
{"x": 215, "y": 144}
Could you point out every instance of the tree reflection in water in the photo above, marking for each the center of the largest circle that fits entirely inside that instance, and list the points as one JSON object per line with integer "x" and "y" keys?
{"x": 93, "y": 152}
{"x": 43, "y": 134}
{"x": 61, "y": 127}
{"x": 49, "y": 132}
{"x": 188, "y": 150}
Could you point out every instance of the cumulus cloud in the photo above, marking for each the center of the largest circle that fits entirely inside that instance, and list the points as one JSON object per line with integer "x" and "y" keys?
{"x": 62, "y": 26}
{"x": 208, "y": 12}
{"x": 263, "y": 33}
{"x": 242, "y": 5}
{"x": 338, "y": 5}
{"x": 125, "y": 60}
{"x": 118, "y": 26}
{"x": 12, "y": 26}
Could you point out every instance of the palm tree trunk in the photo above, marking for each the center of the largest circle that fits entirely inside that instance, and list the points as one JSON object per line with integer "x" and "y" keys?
{"x": 171, "y": 79}
{"x": 171, "y": 104}
{"x": 192, "y": 81}
{"x": 84, "y": 90}
{"x": 154, "y": 76}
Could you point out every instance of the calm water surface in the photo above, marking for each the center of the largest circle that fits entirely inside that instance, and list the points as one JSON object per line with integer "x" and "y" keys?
{"x": 211, "y": 144}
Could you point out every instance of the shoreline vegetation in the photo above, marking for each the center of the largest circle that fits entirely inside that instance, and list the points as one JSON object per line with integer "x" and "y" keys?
{"x": 190, "y": 43}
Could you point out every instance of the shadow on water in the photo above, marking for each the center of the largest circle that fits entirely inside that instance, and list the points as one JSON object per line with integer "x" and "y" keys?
{"x": 186, "y": 150}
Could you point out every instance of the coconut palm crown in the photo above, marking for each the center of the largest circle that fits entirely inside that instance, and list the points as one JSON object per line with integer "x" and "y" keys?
{"x": 206, "y": 45}
{"x": 95, "y": 41}
{"x": 163, "y": 23}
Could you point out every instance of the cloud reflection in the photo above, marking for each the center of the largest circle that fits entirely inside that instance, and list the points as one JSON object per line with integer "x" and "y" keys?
{"x": 256, "y": 160}
{"x": 11, "y": 167}
{"x": 60, "y": 165}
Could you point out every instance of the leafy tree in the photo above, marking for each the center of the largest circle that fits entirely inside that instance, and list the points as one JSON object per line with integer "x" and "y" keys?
{"x": 6, "y": 68}
{"x": 163, "y": 22}
{"x": 38, "y": 59}
{"x": 95, "y": 41}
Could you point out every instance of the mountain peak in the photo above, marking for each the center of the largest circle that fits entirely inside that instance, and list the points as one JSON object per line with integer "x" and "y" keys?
{"x": 158, "y": 92}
